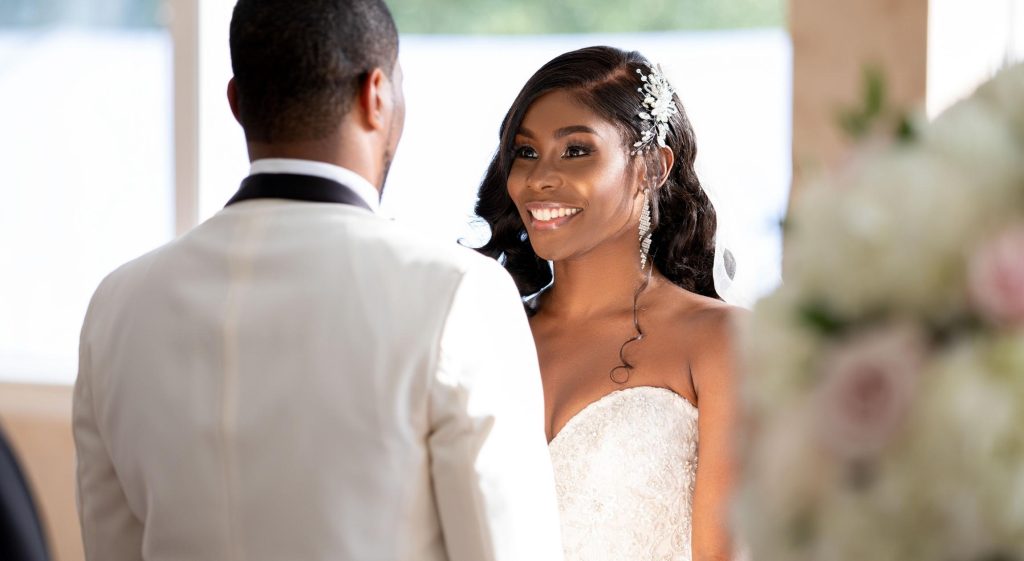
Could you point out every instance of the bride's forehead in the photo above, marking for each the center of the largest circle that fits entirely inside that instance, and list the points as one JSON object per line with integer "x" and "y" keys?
{"x": 558, "y": 109}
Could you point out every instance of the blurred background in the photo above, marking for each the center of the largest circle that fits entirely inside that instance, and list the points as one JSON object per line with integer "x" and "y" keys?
{"x": 89, "y": 108}
{"x": 115, "y": 137}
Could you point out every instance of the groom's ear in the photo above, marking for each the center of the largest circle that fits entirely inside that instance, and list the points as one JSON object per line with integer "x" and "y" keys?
{"x": 233, "y": 100}
{"x": 371, "y": 101}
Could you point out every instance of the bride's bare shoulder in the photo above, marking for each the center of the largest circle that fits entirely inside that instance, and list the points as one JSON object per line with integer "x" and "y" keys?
{"x": 706, "y": 329}
{"x": 700, "y": 317}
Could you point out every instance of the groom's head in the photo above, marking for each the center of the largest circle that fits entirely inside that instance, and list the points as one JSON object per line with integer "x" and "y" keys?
{"x": 318, "y": 79}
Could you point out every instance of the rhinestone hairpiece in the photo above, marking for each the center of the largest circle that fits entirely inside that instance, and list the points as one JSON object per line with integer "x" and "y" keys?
{"x": 658, "y": 108}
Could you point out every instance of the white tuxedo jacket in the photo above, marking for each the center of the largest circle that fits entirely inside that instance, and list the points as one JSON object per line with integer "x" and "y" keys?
{"x": 298, "y": 381}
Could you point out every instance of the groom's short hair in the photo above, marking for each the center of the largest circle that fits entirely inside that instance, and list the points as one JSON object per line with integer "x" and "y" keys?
{"x": 298, "y": 64}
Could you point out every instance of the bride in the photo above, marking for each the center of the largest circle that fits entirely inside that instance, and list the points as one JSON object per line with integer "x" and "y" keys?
{"x": 595, "y": 174}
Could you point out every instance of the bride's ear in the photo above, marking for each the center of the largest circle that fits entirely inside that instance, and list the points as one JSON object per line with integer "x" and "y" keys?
{"x": 666, "y": 159}
{"x": 654, "y": 170}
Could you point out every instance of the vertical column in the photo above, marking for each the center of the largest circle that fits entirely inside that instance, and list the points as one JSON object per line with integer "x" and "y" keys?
{"x": 184, "y": 26}
{"x": 223, "y": 161}
{"x": 833, "y": 41}
{"x": 209, "y": 148}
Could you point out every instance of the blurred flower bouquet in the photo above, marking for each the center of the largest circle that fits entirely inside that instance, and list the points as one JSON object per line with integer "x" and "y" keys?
{"x": 886, "y": 377}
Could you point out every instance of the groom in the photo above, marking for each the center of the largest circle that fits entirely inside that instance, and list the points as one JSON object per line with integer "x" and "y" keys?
{"x": 298, "y": 378}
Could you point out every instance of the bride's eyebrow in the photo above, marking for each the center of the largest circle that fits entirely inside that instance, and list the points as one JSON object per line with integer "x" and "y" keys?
{"x": 564, "y": 131}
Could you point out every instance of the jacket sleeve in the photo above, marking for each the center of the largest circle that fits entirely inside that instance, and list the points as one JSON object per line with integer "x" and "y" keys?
{"x": 110, "y": 530}
{"x": 490, "y": 464}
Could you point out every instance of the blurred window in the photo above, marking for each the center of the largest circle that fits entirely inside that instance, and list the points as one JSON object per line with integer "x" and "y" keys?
{"x": 86, "y": 147}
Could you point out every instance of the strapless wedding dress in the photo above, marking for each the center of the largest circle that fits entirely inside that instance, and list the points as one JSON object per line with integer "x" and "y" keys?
{"x": 625, "y": 468}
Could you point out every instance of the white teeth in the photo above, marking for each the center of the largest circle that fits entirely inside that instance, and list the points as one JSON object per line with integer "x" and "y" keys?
{"x": 545, "y": 214}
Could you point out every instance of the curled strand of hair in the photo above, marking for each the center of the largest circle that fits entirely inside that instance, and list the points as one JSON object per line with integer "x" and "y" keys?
{"x": 623, "y": 363}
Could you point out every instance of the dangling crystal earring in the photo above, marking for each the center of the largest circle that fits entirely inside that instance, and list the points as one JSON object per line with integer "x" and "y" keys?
{"x": 645, "y": 229}
{"x": 645, "y": 249}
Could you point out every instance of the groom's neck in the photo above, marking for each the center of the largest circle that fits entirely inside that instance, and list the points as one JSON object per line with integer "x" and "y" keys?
{"x": 352, "y": 156}
{"x": 314, "y": 150}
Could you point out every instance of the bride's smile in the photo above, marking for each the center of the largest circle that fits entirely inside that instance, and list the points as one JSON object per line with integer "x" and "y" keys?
{"x": 548, "y": 216}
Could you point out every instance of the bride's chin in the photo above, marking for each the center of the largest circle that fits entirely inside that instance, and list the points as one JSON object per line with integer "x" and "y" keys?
{"x": 549, "y": 245}
{"x": 542, "y": 250}
{"x": 549, "y": 253}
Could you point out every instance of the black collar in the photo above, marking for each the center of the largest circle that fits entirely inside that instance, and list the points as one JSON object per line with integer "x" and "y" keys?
{"x": 296, "y": 187}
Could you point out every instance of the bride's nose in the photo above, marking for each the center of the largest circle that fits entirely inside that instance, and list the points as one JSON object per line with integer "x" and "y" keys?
{"x": 544, "y": 175}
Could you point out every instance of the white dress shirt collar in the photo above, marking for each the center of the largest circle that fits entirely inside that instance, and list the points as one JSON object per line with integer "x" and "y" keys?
{"x": 345, "y": 176}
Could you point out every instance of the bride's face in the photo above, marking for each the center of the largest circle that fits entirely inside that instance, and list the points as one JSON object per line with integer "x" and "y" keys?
{"x": 572, "y": 180}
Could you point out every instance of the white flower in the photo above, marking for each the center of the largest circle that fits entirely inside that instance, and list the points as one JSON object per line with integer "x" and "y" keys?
{"x": 1004, "y": 93}
{"x": 875, "y": 243}
{"x": 927, "y": 233}
{"x": 996, "y": 275}
{"x": 978, "y": 138}
{"x": 867, "y": 387}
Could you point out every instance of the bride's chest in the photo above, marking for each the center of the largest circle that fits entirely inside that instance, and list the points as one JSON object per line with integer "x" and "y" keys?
{"x": 577, "y": 371}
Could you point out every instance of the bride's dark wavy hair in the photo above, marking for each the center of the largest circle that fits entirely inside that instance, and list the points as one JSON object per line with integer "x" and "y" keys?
{"x": 605, "y": 79}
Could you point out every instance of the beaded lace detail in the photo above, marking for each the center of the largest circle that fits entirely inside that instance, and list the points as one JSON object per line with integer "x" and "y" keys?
{"x": 625, "y": 468}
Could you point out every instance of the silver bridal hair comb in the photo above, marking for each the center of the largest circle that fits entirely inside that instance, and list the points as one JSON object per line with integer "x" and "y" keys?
{"x": 658, "y": 108}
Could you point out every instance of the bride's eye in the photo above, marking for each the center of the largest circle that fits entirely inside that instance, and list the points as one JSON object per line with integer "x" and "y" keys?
{"x": 576, "y": 151}
{"x": 526, "y": 152}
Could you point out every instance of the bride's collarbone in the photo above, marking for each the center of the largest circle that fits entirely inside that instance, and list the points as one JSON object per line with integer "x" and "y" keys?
{"x": 577, "y": 358}
{"x": 583, "y": 351}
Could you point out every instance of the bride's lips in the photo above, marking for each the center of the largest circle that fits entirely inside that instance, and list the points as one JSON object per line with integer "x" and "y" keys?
{"x": 550, "y": 216}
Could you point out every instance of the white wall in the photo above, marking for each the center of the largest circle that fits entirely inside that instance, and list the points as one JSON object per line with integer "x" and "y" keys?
{"x": 968, "y": 41}
{"x": 85, "y": 130}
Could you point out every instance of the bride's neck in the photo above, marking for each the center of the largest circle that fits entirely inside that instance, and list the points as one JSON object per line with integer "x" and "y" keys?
{"x": 600, "y": 283}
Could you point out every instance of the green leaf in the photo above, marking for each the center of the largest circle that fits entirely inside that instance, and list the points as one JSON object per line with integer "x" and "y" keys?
{"x": 906, "y": 130}
{"x": 818, "y": 316}
{"x": 874, "y": 92}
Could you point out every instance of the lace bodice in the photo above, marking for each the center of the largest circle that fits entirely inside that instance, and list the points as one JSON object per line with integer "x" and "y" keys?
{"x": 625, "y": 468}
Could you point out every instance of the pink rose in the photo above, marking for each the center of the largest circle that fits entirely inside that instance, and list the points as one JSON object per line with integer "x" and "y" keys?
{"x": 867, "y": 387}
{"x": 996, "y": 278}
